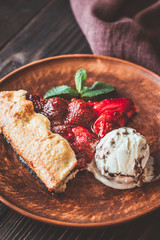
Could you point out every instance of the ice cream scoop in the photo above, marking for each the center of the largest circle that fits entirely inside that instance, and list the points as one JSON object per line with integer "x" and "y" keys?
{"x": 120, "y": 159}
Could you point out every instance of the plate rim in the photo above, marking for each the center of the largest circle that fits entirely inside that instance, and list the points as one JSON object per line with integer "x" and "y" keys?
{"x": 78, "y": 56}
{"x": 72, "y": 224}
{"x": 78, "y": 224}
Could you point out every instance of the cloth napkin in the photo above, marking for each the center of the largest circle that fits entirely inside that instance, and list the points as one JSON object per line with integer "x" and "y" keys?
{"x": 126, "y": 29}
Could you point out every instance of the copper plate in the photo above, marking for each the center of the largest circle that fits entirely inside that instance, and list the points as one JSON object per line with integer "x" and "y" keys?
{"x": 86, "y": 202}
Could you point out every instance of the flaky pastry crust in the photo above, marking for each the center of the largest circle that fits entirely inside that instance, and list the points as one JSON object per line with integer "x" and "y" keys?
{"x": 48, "y": 154}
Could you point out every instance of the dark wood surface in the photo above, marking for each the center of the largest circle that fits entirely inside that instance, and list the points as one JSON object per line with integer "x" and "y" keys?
{"x": 43, "y": 29}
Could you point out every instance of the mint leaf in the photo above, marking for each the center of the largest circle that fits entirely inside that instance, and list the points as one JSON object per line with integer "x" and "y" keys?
{"x": 80, "y": 79}
{"x": 97, "y": 89}
{"x": 61, "y": 90}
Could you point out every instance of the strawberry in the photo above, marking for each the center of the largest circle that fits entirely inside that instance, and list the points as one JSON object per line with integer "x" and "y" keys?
{"x": 55, "y": 110}
{"x": 80, "y": 113}
{"x": 109, "y": 121}
{"x": 64, "y": 131}
{"x": 82, "y": 141}
{"x": 84, "y": 145}
{"x": 38, "y": 101}
{"x": 115, "y": 105}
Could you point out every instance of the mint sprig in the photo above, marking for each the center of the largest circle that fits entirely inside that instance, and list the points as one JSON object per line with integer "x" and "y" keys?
{"x": 97, "y": 89}
{"x": 61, "y": 90}
{"x": 80, "y": 79}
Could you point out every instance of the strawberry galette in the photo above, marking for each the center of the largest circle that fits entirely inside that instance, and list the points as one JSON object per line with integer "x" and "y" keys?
{"x": 58, "y": 137}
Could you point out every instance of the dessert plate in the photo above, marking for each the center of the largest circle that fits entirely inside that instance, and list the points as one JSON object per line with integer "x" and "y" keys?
{"x": 86, "y": 202}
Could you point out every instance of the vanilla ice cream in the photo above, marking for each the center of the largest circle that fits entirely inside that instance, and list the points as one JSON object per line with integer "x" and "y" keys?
{"x": 120, "y": 159}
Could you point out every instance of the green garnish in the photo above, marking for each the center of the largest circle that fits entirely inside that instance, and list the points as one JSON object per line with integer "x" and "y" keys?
{"x": 98, "y": 88}
{"x": 80, "y": 79}
{"x": 61, "y": 90}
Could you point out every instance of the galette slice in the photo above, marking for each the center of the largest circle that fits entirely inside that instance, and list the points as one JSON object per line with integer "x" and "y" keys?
{"x": 47, "y": 153}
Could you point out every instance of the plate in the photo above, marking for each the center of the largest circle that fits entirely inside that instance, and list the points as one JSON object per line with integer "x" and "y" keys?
{"x": 86, "y": 202}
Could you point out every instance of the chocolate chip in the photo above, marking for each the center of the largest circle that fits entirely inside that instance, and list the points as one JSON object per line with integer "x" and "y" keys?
{"x": 138, "y": 167}
{"x": 140, "y": 160}
{"x": 125, "y": 133}
{"x": 113, "y": 143}
{"x": 144, "y": 146}
{"x": 111, "y": 174}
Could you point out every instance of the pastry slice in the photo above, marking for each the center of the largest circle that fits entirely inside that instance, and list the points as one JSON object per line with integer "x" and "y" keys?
{"x": 48, "y": 154}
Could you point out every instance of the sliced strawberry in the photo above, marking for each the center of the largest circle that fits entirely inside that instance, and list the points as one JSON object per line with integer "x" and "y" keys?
{"x": 84, "y": 145}
{"x": 55, "y": 110}
{"x": 80, "y": 113}
{"x": 108, "y": 122}
{"x": 115, "y": 105}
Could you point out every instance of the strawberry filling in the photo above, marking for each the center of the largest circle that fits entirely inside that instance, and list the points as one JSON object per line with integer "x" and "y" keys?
{"x": 55, "y": 110}
{"x": 83, "y": 123}
{"x": 80, "y": 113}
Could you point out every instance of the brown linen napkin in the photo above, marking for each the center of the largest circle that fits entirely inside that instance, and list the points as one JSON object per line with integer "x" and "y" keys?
{"x": 127, "y": 29}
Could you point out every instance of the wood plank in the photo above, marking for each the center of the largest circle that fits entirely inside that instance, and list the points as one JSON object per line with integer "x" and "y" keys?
{"x": 53, "y": 31}
{"x": 15, "y": 226}
{"x": 15, "y": 14}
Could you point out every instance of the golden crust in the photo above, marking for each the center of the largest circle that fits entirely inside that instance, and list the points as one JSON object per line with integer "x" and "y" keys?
{"x": 48, "y": 154}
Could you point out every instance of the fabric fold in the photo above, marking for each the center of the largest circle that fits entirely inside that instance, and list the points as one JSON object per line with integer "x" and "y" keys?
{"x": 124, "y": 29}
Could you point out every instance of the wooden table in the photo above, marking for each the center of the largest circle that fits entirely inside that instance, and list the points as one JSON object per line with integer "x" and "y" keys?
{"x": 31, "y": 30}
